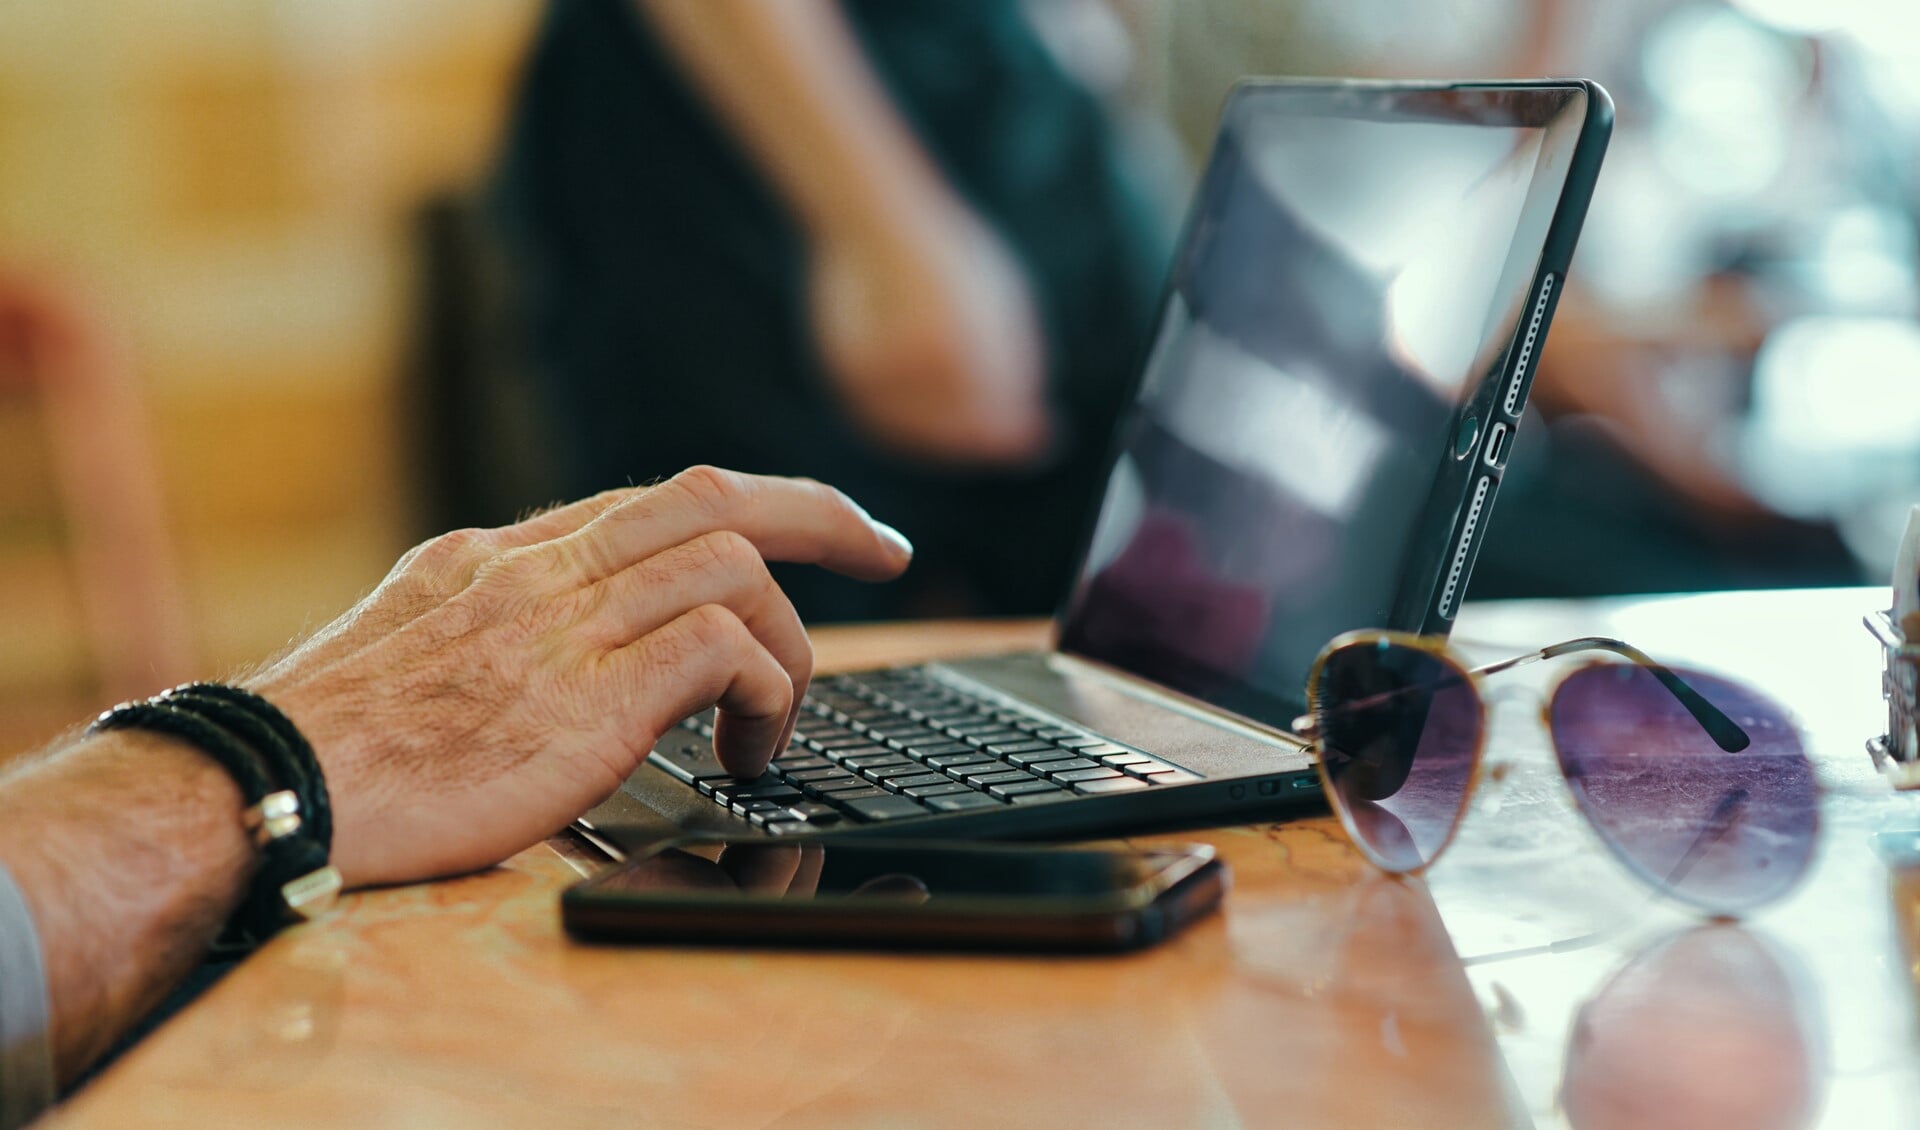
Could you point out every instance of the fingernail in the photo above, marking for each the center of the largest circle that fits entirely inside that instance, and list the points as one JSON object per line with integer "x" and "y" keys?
{"x": 895, "y": 536}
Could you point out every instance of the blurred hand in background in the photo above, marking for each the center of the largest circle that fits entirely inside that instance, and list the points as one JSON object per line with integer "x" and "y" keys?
{"x": 928, "y": 331}
{"x": 921, "y": 316}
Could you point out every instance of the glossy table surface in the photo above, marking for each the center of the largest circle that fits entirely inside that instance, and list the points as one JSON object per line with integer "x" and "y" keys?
{"x": 1527, "y": 980}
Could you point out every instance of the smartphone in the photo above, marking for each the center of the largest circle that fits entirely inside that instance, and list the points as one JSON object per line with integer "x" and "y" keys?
{"x": 892, "y": 894}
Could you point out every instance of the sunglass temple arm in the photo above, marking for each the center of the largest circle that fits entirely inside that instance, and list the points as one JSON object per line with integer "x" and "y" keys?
{"x": 1725, "y": 732}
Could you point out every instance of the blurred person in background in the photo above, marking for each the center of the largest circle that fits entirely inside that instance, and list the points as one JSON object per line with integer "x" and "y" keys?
{"x": 1666, "y": 449}
{"x": 893, "y": 244}
{"x": 57, "y": 350}
{"x": 1720, "y": 402}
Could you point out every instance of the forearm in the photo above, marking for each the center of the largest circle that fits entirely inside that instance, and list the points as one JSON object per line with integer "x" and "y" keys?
{"x": 130, "y": 852}
{"x": 796, "y": 89}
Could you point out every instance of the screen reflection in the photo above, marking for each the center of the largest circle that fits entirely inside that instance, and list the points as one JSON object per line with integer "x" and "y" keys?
{"x": 898, "y": 873}
{"x": 1353, "y": 270}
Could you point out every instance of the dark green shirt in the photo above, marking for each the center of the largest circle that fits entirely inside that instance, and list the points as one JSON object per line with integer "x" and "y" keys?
{"x": 664, "y": 284}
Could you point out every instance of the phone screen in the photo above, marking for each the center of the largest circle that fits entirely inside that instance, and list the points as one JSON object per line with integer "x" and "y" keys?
{"x": 842, "y": 872}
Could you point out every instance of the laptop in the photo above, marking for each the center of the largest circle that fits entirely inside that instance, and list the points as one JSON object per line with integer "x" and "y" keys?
{"x": 1314, "y": 443}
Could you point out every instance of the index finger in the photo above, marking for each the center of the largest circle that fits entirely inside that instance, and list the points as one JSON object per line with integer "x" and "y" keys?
{"x": 796, "y": 520}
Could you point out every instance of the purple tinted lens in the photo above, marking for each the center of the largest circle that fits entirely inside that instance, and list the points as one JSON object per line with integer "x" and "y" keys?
{"x": 1723, "y": 831}
{"x": 1399, "y": 732}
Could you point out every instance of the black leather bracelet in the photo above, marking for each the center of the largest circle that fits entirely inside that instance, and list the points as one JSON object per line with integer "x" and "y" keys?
{"x": 157, "y": 717}
{"x": 295, "y": 880}
{"x": 259, "y": 723}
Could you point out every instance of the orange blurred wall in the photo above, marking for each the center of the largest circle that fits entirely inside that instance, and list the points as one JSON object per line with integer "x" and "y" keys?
{"x": 230, "y": 181}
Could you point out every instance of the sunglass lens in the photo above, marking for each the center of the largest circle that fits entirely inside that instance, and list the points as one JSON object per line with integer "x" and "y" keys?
{"x": 1399, "y": 731}
{"x": 1724, "y": 830}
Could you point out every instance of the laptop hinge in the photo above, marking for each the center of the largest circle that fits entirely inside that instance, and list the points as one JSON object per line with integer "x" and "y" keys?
{"x": 1160, "y": 696}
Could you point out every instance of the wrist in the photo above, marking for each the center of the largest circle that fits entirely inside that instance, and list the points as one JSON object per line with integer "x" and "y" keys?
{"x": 338, "y": 737}
{"x": 901, "y": 205}
{"x": 123, "y": 841}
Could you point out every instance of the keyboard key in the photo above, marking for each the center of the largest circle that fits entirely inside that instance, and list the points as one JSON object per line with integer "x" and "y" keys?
{"x": 1168, "y": 776}
{"x": 1100, "y": 749}
{"x": 956, "y": 760}
{"x": 1095, "y": 774}
{"x": 756, "y": 807}
{"x": 985, "y": 769}
{"x": 841, "y": 741}
{"x": 944, "y": 788}
{"x": 1039, "y": 797}
{"x": 902, "y": 730}
{"x": 977, "y": 724}
{"x": 887, "y": 807}
{"x": 896, "y": 772}
{"x": 1109, "y": 785}
{"x": 827, "y": 773}
{"x": 841, "y": 755}
{"x": 1039, "y": 757}
{"x": 877, "y": 761}
{"x": 933, "y": 749}
{"x": 1007, "y": 749}
{"x": 781, "y": 793}
{"x": 1122, "y": 760}
{"x": 814, "y": 812}
{"x": 993, "y": 737}
{"x": 1001, "y": 778}
{"x": 690, "y": 760}
{"x": 842, "y": 797}
{"x": 726, "y": 788}
{"x": 706, "y": 784}
{"x": 1052, "y": 768}
{"x": 838, "y": 787}
{"x": 1081, "y": 742}
{"x": 961, "y": 802}
{"x": 923, "y": 779}
{"x": 1019, "y": 788}
{"x": 1055, "y": 733}
{"x": 821, "y": 699}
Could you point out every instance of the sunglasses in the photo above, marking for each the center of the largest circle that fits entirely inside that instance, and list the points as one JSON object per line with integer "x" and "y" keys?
{"x": 1700, "y": 786}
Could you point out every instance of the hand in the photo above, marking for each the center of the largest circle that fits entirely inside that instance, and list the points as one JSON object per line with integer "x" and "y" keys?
{"x": 927, "y": 329}
{"x": 500, "y": 682}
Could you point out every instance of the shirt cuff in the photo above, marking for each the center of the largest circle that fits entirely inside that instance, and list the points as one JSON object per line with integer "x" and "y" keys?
{"x": 26, "y": 1060}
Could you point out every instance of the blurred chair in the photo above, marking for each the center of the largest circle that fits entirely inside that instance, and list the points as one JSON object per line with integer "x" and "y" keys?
{"x": 114, "y": 533}
{"x": 480, "y": 446}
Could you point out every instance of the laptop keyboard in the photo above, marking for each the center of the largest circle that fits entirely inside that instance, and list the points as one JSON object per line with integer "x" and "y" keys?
{"x": 887, "y": 745}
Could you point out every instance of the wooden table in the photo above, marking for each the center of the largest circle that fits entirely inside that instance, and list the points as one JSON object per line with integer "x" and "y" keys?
{"x": 1528, "y": 980}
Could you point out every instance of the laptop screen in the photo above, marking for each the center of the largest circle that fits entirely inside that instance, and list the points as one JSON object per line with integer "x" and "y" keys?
{"x": 1354, "y": 265}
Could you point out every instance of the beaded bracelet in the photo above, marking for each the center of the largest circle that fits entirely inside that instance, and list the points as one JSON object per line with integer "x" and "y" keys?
{"x": 280, "y": 781}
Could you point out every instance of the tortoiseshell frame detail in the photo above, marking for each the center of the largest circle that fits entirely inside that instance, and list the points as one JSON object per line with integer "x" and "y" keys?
{"x": 1722, "y": 729}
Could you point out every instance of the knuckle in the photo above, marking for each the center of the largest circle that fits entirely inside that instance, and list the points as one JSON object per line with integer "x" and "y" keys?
{"x": 514, "y": 572}
{"x": 714, "y": 489}
{"x": 450, "y": 550}
{"x": 729, "y": 552}
{"x": 715, "y": 630}
{"x": 588, "y": 556}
